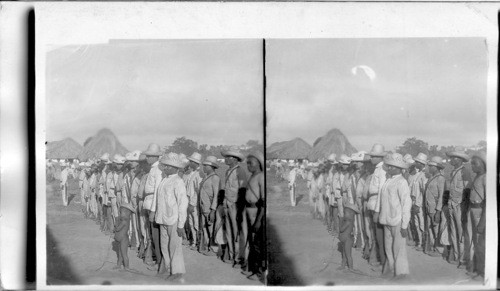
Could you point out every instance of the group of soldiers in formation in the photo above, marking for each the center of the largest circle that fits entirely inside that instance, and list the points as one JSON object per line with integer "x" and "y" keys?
{"x": 154, "y": 202}
{"x": 382, "y": 202}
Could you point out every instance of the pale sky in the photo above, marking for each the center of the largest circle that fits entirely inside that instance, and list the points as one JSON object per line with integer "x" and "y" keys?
{"x": 430, "y": 88}
{"x": 210, "y": 91}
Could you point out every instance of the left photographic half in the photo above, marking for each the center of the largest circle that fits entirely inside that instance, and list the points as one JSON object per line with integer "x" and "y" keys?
{"x": 153, "y": 162}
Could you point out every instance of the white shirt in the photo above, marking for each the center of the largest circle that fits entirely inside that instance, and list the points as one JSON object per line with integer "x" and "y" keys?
{"x": 376, "y": 183}
{"x": 171, "y": 206}
{"x": 395, "y": 202}
{"x": 152, "y": 183}
{"x": 193, "y": 181}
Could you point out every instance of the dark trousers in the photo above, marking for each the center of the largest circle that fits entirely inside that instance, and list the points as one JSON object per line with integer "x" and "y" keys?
{"x": 155, "y": 234}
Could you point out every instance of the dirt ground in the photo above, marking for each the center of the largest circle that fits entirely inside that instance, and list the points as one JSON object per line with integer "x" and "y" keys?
{"x": 79, "y": 254}
{"x": 301, "y": 252}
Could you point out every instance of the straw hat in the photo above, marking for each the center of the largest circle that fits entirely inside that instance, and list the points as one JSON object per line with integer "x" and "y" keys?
{"x": 344, "y": 160}
{"x": 408, "y": 159}
{"x": 396, "y": 160}
{"x": 195, "y": 157}
{"x": 153, "y": 150}
{"x": 233, "y": 153}
{"x": 352, "y": 206}
{"x": 172, "y": 159}
{"x": 361, "y": 156}
{"x": 421, "y": 158}
{"x": 211, "y": 161}
{"x": 480, "y": 155}
{"x": 459, "y": 152}
{"x": 436, "y": 161}
{"x": 377, "y": 151}
{"x": 259, "y": 156}
{"x": 119, "y": 159}
{"x": 128, "y": 206}
{"x": 133, "y": 156}
{"x": 332, "y": 158}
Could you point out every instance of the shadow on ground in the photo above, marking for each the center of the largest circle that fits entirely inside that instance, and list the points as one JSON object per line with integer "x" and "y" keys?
{"x": 281, "y": 268}
{"x": 59, "y": 269}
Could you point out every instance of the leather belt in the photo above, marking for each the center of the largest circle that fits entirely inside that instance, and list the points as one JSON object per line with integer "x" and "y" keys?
{"x": 147, "y": 194}
{"x": 371, "y": 195}
{"x": 251, "y": 205}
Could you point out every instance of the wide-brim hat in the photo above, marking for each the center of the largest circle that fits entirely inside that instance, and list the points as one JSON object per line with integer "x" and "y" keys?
{"x": 421, "y": 158}
{"x": 361, "y": 156}
{"x": 195, "y": 157}
{"x": 344, "y": 159}
{"x": 436, "y": 161}
{"x": 133, "y": 156}
{"x": 233, "y": 153}
{"x": 172, "y": 159}
{"x": 352, "y": 206}
{"x": 259, "y": 156}
{"x": 128, "y": 206}
{"x": 395, "y": 160}
{"x": 211, "y": 161}
{"x": 153, "y": 150}
{"x": 408, "y": 159}
{"x": 332, "y": 158}
{"x": 458, "y": 152}
{"x": 119, "y": 159}
{"x": 480, "y": 155}
{"x": 378, "y": 150}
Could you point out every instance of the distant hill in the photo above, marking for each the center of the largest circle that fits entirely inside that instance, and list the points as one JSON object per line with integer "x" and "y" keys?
{"x": 332, "y": 142}
{"x": 296, "y": 148}
{"x": 67, "y": 148}
{"x": 105, "y": 141}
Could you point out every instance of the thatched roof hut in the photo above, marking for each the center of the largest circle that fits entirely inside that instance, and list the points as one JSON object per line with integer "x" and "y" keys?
{"x": 63, "y": 149}
{"x": 104, "y": 141}
{"x": 333, "y": 142}
{"x": 294, "y": 149}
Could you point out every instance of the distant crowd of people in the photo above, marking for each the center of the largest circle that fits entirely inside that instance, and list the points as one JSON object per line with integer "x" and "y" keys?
{"x": 154, "y": 202}
{"x": 382, "y": 202}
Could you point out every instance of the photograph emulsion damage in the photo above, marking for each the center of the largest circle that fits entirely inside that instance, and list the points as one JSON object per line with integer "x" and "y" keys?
{"x": 154, "y": 163}
{"x": 376, "y": 161}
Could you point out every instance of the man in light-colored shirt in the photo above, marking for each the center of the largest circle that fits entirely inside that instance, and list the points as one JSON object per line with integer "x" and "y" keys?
{"x": 417, "y": 181}
{"x": 434, "y": 190}
{"x": 476, "y": 223}
{"x": 193, "y": 180}
{"x": 459, "y": 183}
{"x": 209, "y": 190}
{"x": 292, "y": 175}
{"x": 394, "y": 214}
{"x": 170, "y": 214}
{"x": 375, "y": 186}
{"x": 65, "y": 173}
{"x": 153, "y": 180}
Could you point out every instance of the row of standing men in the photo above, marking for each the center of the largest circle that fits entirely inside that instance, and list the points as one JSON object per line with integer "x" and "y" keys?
{"x": 403, "y": 201}
{"x": 180, "y": 200}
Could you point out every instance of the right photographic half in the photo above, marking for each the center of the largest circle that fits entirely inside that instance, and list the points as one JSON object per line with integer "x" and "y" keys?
{"x": 376, "y": 161}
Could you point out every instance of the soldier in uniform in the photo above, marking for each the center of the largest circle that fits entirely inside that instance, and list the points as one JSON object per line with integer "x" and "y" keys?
{"x": 459, "y": 186}
{"x": 234, "y": 191}
{"x": 209, "y": 190}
